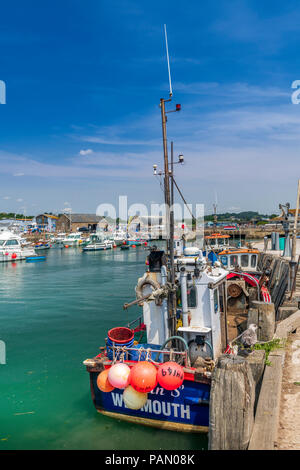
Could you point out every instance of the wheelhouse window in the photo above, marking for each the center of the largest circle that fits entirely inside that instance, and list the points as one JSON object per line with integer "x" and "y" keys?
{"x": 244, "y": 261}
{"x": 192, "y": 297}
{"x": 11, "y": 243}
{"x": 234, "y": 260}
{"x": 216, "y": 300}
{"x": 253, "y": 261}
{"x": 221, "y": 297}
{"x": 224, "y": 260}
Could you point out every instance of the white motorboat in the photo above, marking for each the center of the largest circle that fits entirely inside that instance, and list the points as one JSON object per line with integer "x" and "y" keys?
{"x": 12, "y": 248}
{"x": 98, "y": 243}
{"x": 119, "y": 237}
{"x": 73, "y": 239}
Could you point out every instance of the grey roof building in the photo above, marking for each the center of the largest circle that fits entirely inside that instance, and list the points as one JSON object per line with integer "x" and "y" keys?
{"x": 71, "y": 222}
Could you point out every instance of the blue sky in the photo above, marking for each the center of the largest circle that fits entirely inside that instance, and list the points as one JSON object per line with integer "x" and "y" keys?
{"x": 81, "y": 123}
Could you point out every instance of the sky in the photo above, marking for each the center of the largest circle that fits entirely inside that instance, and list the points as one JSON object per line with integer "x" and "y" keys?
{"x": 81, "y": 122}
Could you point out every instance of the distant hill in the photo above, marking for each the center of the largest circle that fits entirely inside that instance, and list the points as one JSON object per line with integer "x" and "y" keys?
{"x": 245, "y": 216}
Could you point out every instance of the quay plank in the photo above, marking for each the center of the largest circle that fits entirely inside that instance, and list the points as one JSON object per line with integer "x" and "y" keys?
{"x": 267, "y": 413}
{"x": 266, "y": 422}
{"x": 288, "y": 325}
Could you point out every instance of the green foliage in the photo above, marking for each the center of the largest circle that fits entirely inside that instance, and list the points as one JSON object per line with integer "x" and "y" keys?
{"x": 245, "y": 216}
{"x": 269, "y": 346}
{"x": 13, "y": 215}
{"x": 262, "y": 222}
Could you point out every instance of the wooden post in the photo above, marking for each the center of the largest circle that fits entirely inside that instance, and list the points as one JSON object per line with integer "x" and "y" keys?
{"x": 263, "y": 315}
{"x": 293, "y": 257}
{"x": 232, "y": 400}
{"x": 267, "y": 413}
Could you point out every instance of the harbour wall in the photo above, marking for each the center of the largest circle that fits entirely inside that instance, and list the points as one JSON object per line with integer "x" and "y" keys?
{"x": 246, "y": 391}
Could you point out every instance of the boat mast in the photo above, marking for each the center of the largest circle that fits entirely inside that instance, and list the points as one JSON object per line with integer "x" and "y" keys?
{"x": 168, "y": 202}
{"x": 169, "y": 245}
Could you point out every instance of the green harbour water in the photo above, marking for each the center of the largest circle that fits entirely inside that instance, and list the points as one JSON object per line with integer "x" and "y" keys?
{"x": 55, "y": 314}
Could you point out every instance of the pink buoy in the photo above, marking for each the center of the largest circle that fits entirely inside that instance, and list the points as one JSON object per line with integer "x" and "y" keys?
{"x": 118, "y": 375}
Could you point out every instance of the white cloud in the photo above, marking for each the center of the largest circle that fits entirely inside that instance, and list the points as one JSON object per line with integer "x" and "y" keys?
{"x": 18, "y": 174}
{"x": 19, "y": 200}
{"x": 7, "y": 197}
{"x": 85, "y": 152}
{"x": 247, "y": 149}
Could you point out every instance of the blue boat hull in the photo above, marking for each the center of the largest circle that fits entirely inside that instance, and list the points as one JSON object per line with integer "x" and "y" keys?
{"x": 133, "y": 242}
{"x": 185, "y": 409}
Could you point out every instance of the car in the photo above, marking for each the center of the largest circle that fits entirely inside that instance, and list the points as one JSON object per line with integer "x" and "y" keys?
{"x": 83, "y": 229}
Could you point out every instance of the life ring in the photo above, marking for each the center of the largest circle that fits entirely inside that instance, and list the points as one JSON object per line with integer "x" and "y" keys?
{"x": 143, "y": 281}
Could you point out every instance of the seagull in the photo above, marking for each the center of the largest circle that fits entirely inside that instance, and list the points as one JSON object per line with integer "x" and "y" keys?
{"x": 249, "y": 337}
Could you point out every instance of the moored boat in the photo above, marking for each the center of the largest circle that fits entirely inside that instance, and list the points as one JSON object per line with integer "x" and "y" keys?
{"x": 41, "y": 246}
{"x": 73, "y": 239}
{"x": 183, "y": 299}
{"x": 197, "y": 329}
{"x": 159, "y": 373}
{"x": 12, "y": 248}
{"x": 98, "y": 243}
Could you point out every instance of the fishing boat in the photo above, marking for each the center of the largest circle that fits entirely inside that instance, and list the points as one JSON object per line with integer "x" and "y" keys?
{"x": 125, "y": 247}
{"x": 244, "y": 258}
{"x": 12, "y": 248}
{"x": 41, "y": 246}
{"x": 197, "y": 330}
{"x": 134, "y": 242}
{"x": 98, "y": 243}
{"x": 216, "y": 242}
{"x": 59, "y": 238}
{"x": 119, "y": 236}
{"x": 73, "y": 239}
{"x": 157, "y": 370}
{"x": 184, "y": 328}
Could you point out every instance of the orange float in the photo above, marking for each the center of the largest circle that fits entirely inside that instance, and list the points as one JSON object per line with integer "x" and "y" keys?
{"x": 102, "y": 382}
{"x": 143, "y": 377}
{"x": 170, "y": 375}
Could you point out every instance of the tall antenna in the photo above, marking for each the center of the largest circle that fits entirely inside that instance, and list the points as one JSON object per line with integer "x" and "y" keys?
{"x": 215, "y": 206}
{"x": 168, "y": 60}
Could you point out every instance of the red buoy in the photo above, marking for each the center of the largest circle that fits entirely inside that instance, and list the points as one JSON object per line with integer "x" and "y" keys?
{"x": 170, "y": 375}
{"x": 13, "y": 256}
{"x": 133, "y": 246}
{"x": 143, "y": 377}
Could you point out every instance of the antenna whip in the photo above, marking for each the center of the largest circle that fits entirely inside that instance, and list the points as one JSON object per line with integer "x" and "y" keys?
{"x": 169, "y": 71}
